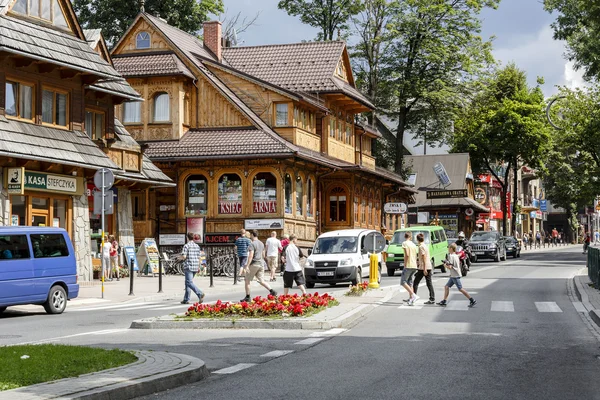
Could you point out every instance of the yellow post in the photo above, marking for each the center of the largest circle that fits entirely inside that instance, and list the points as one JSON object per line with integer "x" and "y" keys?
{"x": 374, "y": 272}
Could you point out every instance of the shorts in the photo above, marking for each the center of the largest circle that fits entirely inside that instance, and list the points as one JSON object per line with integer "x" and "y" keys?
{"x": 243, "y": 261}
{"x": 254, "y": 270}
{"x": 289, "y": 278}
{"x": 272, "y": 262}
{"x": 407, "y": 275}
{"x": 454, "y": 281}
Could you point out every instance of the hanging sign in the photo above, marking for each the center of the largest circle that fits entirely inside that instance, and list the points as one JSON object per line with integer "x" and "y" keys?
{"x": 395, "y": 208}
{"x": 263, "y": 224}
{"x": 447, "y": 194}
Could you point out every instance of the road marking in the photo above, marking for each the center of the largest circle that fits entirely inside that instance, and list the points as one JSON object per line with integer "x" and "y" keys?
{"x": 186, "y": 306}
{"x": 310, "y": 341}
{"x": 102, "y": 332}
{"x": 109, "y": 307}
{"x": 547, "y": 306}
{"x": 277, "y": 353}
{"x": 458, "y": 305}
{"x": 330, "y": 332}
{"x": 407, "y": 307}
{"x": 579, "y": 307}
{"x": 234, "y": 369}
{"x": 137, "y": 308}
{"x": 503, "y": 306}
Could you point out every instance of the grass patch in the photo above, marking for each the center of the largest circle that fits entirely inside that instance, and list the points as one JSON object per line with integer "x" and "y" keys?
{"x": 49, "y": 362}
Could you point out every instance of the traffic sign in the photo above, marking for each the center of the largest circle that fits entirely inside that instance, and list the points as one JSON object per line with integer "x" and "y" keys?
{"x": 107, "y": 182}
{"x": 395, "y": 208}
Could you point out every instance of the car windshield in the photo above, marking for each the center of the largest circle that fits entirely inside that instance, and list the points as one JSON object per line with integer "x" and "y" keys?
{"x": 336, "y": 245}
{"x": 484, "y": 236}
{"x": 399, "y": 236}
{"x": 510, "y": 239}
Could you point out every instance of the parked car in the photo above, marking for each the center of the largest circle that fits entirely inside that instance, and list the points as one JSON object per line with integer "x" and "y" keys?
{"x": 342, "y": 256}
{"x": 37, "y": 266}
{"x": 488, "y": 244}
{"x": 435, "y": 238}
{"x": 513, "y": 246}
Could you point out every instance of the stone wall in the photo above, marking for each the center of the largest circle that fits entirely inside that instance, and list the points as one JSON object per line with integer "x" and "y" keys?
{"x": 81, "y": 237}
{"x": 4, "y": 203}
{"x": 125, "y": 218}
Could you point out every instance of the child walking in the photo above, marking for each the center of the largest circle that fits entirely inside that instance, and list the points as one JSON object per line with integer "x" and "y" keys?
{"x": 453, "y": 264}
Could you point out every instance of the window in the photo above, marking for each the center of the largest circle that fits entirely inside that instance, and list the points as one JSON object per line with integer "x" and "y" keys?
{"x": 132, "y": 112}
{"x": 59, "y": 213}
{"x": 288, "y": 194}
{"x": 309, "y": 198}
{"x": 19, "y": 100}
{"x": 356, "y": 206}
{"x": 281, "y": 114}
{"x": 161, "y": 107}
{"x": 370, "y": 219}
{"x": 196, "y": 195}
{"x": 138, "y": 203}
{"x": 363, "y": 208}
{"x": 94, "y": 124}
{"x": 54, "y": 107}
{"x": 367, "y": 145}
{"x": 299, "y": 197}
{"x": 14, "y": 246}
{"x": 18, "y": 210}
{"x": 312, "y": 122}
{"x": 48, "y": 10}
{"x": 142, "y": 40}
{"x": 186, "y": 110}
{"x": 348, "y": 133}
{"x": 296, "y": 116}
{"x": 50, "y": 245}
{"x": 264, "y": 193}
{"x": 337, "y": 204}
{"x": 332, "y": 126}
{"x": 303, "y": 119}
{"x": 230, "y": 194}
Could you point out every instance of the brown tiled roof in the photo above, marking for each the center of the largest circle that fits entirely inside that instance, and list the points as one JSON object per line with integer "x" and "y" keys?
{"x": 205, "y": 144}
{"x": 301, "y": 67}
{"x": 151, "y": 65}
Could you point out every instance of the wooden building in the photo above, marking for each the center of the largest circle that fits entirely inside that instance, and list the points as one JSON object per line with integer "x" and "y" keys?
{"x": 57, "y": 126}
{"x": 261, "y": 136}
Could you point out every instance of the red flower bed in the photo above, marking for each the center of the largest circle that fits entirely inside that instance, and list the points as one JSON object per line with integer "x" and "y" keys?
{"x": 290, "y": 305}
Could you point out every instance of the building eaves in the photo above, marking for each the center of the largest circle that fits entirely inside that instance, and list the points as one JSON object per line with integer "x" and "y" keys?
{"x": 151, "y": 64}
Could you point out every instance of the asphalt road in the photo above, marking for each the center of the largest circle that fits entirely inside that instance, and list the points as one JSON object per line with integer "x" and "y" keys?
{"x": 525, "y": 339}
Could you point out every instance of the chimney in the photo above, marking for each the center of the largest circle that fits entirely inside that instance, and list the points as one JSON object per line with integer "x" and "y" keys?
{"x": 212, "y": 38}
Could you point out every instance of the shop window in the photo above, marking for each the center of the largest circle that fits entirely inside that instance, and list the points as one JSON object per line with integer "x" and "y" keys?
{"x": 94, "y": 124}
{"x": 14, "y": 246}
{"x": 55, "y": 107}
{"x": 288, "y": 194}
{"x": 138, "y": 205}
{"x": 161, "y": 107}
{"x": 59, "y": 216}
{"x": 49, "y": 245}
{"x": 309, "y": 198}
{"x": 142, "y": 41}
{"x": 18, "y": 210}
{"x": 19, "y": 100}
{"x": 338, "y": 204}
{"x": 132, "y": 112}
{"x": 299, "y": 196}
{"x": 281, "y": 114}
{"x": 264, "y": 193}
{"x": 196, "y": 195}
{"x": 230, "y": 194}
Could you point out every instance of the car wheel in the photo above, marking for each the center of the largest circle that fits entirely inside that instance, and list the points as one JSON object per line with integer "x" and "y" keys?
{"x": 358, "y": 278}
{"x": 311, "y": 285}
{"x": 57, "y": 300}
{"x": 2, "y": 309}
{"x": 391, "y": 271}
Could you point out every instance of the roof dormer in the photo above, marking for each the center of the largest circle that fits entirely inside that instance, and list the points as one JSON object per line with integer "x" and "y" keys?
{"x": 49, "y": 12}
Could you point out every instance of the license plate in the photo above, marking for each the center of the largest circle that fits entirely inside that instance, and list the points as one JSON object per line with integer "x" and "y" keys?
{"x": 479, "y": 253}
{"x": 326, "y": 273}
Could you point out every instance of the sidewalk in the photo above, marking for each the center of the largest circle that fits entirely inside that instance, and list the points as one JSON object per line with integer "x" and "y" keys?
{"x": 589, "y": 296}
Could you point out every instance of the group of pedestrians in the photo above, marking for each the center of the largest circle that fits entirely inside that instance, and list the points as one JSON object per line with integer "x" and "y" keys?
{"x": 417, "y": 265}
{"x": 543, "y": 239}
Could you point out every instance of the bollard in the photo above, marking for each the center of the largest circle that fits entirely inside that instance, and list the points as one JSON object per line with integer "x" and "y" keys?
{"x": 211, "y": 272}
{"x": 131, "y": 278}
{"x": 374, "y": 272}
{"x": 160, "y": 272}
{"x": 235, "y": 269}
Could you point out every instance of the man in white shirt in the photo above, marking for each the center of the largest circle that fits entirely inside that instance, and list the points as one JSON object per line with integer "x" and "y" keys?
{"x": 273, "y": 246}
{"x": 293, "y": 270}
{"x": 410, "y": 266}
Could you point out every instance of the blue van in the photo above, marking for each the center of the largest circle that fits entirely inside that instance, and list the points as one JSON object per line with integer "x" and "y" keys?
{"x": 37, "y": 266}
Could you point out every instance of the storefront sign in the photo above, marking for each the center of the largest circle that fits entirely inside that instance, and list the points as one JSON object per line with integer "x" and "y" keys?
{"x": 220, "y": 238}
{"x": 53, "y": 183}
{"x": 14, "y": 180}
{"x": 230, "y": 208}
{"x": 263, "y": 224}
{"x": 171, "y": 239}
{"x": 481, "y": 195}
{"x": 484, "y": 178}
{"x": 265, "y": 207}
{"x": 535, "y": 214}
{"x": 395, "y": 208}
{"x": 447, "y": 194}
{"x": 195, "y": 225}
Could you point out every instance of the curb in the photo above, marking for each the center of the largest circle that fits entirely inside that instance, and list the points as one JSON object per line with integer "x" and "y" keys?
{"x": 583, "y": 297}
{"x": 114, "y": 384}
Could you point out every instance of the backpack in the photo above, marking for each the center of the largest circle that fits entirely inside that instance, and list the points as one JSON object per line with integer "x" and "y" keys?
{"x": 538, "y": 236}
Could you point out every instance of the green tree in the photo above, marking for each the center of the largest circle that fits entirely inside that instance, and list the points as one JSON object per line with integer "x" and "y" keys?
{"x": 115, "y": 16}
{"x": 435, "y": 53}
{"x": 578, "y": 23}
{"x": 503, "y": 128}
{"x": 331, "y": 17}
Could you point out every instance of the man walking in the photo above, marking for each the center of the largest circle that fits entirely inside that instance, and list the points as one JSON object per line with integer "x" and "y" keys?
{"x": 241, "y": 244}
{"x": 410, "y": 267}
{"x": 424, "y": 269}
{"x": 554, "y": 237}
{"x": 453, "y": 264}
{"x": 191, "y": 264}
{"x": 254, "y": 266}
{"x": 293, "y": 270}
{"x": 273, "y": 248}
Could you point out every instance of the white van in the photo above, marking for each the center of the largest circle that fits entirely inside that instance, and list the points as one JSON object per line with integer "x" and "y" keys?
{"x": 342, "y": 256}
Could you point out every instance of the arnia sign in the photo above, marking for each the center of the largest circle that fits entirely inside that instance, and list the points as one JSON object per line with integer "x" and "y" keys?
{"x": 265, "y": 207}
{"x": 395, "y": 208}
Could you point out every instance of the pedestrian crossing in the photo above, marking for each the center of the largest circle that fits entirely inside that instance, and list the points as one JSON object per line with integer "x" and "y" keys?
{"x": 145, "y": 306}
{"x": 499, "y": 306}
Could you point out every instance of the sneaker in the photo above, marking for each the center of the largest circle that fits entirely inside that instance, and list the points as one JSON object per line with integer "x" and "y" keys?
{"x": 415, "y": 298}
{"x": 185, "y": 302}
{"x": 443, "y": 303}
{"x": 246, "y": 299}
{"x": 411, "y": 302}
{"x": 272, "y": 292}
{"x": 201, "y": 298}
{"x": 430, "y": 302}
{"x": 473, "y": 302}
{"x": 406, "y": 300}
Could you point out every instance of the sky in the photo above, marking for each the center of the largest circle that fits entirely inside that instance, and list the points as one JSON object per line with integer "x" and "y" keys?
{"x": 521, "y": 29}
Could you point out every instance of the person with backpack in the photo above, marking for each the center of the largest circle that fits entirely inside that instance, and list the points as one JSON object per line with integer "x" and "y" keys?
{"x": 538, "y": 240}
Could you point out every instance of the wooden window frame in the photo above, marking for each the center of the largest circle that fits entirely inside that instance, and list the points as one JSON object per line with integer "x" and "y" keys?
{"x": 346, "y": 221}
{"x": 49, "y": 213}
{"x": 94, "y": 112}
{"x": 149, "y": 41}
{"x": 287, "y": 123}
{"x": 154, "y": 97}
{"x": 123, "y": 114}
{"x": 19, "y": 82}
{"x": 56, "y": 90}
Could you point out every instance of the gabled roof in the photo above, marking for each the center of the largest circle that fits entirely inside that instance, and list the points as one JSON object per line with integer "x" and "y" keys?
{"x": 157, "y": 64}
{"x": 93, "y": 36}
